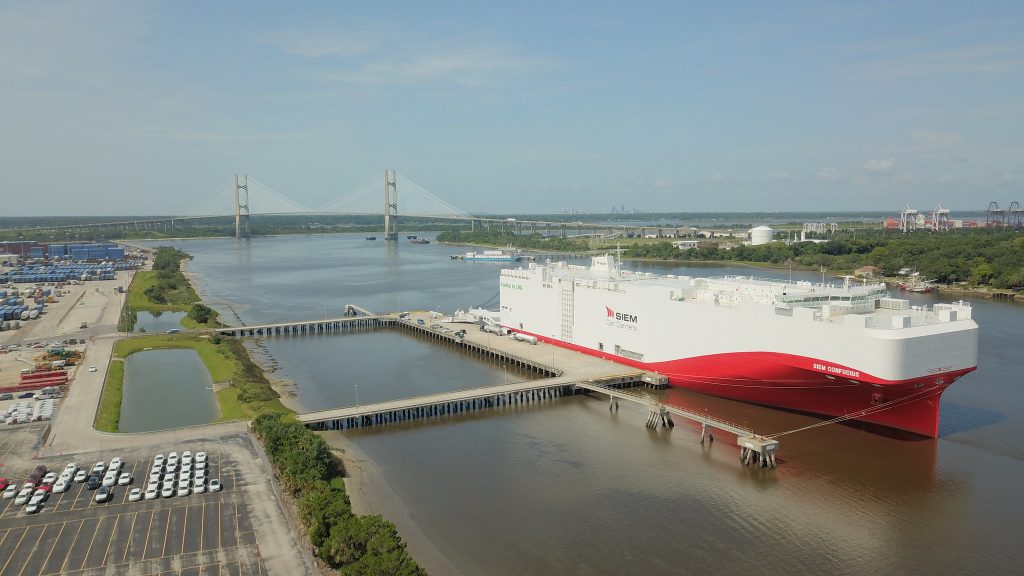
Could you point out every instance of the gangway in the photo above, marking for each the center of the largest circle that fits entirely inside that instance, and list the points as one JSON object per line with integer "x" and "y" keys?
{"x": 754, "y": 448}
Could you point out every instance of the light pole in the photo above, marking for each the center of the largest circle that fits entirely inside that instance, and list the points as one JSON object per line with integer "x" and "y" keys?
{"x": 357, "y": 398}
{"x": 504, "y": 369}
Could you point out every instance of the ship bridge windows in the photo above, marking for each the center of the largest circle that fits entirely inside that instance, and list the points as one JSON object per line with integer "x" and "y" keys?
{"x": 857, "y": 302}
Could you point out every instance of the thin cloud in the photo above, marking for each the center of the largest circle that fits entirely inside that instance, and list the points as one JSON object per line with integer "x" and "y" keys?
{"x": 324, "y": 44}
{"x": 936, "y": 138}
{"x": 827, "y": 174}
{"x": 878, "y": 165}
{"x": 372, "y": 54}
{"x": 204, "y": 136}
{"x": 972, "y": 60}
{"x": 465, "y": 63}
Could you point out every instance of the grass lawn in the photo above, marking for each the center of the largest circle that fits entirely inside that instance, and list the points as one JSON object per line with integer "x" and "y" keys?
{"x": 225, "y": 363}
{"x": 109, "y": 413}
{"x": 217, "y": 358}
{"x": 138, "y": 301}
{"x": 231, "y": 408}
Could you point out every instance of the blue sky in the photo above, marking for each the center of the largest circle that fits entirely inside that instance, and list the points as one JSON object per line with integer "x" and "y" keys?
{"x": 140, "y": 107}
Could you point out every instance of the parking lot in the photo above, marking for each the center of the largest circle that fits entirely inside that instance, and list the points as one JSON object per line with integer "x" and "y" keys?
{"x": 207, "y": 533}
{"x": 17, "y": 444}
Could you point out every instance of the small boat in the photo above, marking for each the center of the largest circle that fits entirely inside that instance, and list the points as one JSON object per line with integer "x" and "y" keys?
{"x": 371, "y": 237}
{"x": 913, "y": 283}
{"x": 507, "y": 255}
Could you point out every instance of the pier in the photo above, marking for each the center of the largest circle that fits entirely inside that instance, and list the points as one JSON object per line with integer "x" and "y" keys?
{"x": 355, "y": 318}
{"x": 561, "y": 372}
{"x": 446, "y": 403}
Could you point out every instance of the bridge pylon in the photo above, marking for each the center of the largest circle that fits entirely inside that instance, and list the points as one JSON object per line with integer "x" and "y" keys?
{"x": 241, "y": 206}
{"x": 390, "y": 205}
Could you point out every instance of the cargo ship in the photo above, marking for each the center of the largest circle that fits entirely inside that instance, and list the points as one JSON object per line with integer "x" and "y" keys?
{"x": 845, "y": 350}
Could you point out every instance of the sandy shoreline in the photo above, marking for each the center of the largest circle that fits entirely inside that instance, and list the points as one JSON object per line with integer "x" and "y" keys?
{"x": 370, "y": 493}
{"x": 367, "y": 489}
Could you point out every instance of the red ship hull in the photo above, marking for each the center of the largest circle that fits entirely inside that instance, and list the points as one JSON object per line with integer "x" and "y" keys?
{"x": 803, "y": 384}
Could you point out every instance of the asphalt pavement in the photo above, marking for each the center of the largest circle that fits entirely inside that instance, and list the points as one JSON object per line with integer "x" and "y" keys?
{"x": 210, "y": 533}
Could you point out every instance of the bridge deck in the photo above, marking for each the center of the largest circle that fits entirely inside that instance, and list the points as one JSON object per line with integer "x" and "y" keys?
{"x": 656, "y": 405}
{"x": 449, "y": 397}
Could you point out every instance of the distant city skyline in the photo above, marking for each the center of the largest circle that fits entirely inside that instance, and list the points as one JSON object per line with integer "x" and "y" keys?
{"x": 117, "y": 107}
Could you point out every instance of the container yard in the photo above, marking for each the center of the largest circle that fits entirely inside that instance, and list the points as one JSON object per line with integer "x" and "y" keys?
{"x": 66, "y": 272}
{"x": 55, "y": 252}
{"x": 53, "y": 272}
{"x": 34, "y": 306}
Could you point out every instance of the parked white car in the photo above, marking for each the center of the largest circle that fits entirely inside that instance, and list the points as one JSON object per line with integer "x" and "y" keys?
{"x": 23, "y": 496}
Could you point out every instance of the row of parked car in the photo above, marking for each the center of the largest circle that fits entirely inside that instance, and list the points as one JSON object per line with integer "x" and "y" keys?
{"x": 166, "y": 479}
{"x": 174, "y": 476}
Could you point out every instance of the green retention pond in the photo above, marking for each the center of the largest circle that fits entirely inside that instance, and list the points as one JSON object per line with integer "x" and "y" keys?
{"x": 157, "y": 321}
{"x": 165, "y": 389}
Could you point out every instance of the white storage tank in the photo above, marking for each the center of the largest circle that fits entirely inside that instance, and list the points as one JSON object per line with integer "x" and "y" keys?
{"x": 761, "y": 235}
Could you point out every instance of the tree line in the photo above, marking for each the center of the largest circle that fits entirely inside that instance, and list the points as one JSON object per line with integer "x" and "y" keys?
{"x": 978, "y": 257}
{"x": 352, "y": 544}
{"x": 170, "y": 286}
{"x": 495, "y": 237}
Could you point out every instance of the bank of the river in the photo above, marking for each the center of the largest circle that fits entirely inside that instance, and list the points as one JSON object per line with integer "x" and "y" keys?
{"x": 370, "y": 493}
{"x": 165, "y": 288}
{"x": 310, "y": 476}
{"x": 965, "y": 290}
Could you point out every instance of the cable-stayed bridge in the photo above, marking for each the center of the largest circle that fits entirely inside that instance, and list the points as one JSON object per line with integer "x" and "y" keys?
{"x": 391, "y": 194}
{"x": 246, "y": 196}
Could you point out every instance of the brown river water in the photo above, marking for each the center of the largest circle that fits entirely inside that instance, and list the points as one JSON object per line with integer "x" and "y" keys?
{"x": 567, "y": 487}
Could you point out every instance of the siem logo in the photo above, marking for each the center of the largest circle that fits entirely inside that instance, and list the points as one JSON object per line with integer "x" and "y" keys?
{"x": 620, "y": 316}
